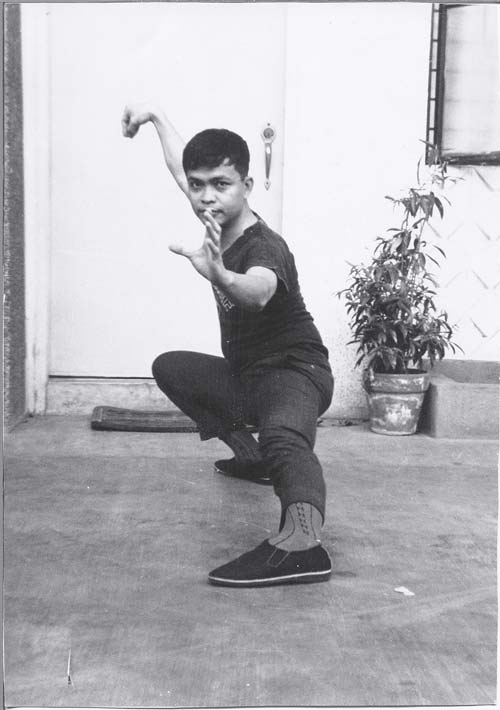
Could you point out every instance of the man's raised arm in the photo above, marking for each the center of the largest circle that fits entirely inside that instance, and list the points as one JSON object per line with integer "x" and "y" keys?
{"x": 135, "y": 115}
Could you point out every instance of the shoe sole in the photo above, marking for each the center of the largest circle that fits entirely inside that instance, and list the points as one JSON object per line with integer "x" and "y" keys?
{"x": 264, "y": 481}
{"x": 306, "y": 578}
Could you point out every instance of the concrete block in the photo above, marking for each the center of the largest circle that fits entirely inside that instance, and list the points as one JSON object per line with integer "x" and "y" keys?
{"x": 462, "y": 400}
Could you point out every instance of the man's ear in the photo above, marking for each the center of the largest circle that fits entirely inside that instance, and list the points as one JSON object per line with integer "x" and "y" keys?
{"x": 249, "y": 184}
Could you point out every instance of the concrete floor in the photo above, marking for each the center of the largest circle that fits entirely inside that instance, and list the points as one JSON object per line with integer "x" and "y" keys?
{"x": 109, "y": 537}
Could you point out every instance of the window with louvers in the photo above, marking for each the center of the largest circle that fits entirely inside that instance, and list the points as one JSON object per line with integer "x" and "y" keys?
{"x": 464, "y": 83}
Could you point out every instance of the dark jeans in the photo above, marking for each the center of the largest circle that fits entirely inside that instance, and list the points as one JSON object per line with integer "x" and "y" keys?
{"x": 274, "y": 395}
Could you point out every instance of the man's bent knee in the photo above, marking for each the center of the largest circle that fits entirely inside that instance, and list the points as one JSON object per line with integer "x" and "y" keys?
{"x": 166, "y": 366}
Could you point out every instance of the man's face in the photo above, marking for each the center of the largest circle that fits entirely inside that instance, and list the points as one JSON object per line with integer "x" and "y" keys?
{"x": 221, "y": 190}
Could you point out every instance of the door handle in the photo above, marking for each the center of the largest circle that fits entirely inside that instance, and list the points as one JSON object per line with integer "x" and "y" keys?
{"x": 268, "y": 134}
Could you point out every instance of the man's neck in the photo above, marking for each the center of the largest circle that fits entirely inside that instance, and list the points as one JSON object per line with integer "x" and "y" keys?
{"x": 233, "y": 230}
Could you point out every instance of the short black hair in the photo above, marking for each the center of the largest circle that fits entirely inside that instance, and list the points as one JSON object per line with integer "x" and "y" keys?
{"x": 214, "y": 146}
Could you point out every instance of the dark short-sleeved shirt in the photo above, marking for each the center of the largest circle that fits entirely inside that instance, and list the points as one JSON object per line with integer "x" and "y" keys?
{"x": 284, "y": 325}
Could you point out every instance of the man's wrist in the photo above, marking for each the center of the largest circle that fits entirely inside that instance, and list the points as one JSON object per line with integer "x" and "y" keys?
{"x": 157, "y": 117}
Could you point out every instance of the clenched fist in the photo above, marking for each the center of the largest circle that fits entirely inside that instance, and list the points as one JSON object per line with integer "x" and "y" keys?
{"x": 135, "y": 115}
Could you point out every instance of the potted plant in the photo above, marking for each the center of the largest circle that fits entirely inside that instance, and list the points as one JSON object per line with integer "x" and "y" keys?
{"x": 393, "y": 316}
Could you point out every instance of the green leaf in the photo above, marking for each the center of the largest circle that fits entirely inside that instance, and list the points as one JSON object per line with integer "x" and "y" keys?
{"x": 413, "y": 202}
{"x": 439, "y": 205}
{"x": 439, "y": 249}
{"x": 431, "y": 278}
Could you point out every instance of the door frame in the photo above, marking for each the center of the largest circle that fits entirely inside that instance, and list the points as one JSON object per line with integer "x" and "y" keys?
{"x": 35, "y": 27}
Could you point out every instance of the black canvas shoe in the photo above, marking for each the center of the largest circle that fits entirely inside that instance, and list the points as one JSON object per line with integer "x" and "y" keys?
{"x": 268, "y": 564}
{"x": 255, "y": 472}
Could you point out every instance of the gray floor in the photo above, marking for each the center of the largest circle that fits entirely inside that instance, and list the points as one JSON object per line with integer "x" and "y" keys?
{"x": 109, "y": 537}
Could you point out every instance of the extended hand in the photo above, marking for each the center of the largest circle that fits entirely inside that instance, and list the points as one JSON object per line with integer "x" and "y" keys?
{"x": 135, "y": 115}
{"x": 207, "y": 260}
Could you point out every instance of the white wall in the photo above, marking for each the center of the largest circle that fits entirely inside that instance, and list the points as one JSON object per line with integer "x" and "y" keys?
{"x": 355, "y": 93}
{"x": 355, "y": 111}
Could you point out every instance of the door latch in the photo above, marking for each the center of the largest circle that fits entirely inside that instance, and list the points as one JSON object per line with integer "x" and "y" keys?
{"x": 268, "y": 135}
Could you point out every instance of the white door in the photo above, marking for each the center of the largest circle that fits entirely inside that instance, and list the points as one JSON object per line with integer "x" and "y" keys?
{"x": 118, "y": 296}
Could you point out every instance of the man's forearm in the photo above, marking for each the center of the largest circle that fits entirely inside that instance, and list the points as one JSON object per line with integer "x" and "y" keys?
{"x": 173, "y": 146}
{"x": 248, "y": 291}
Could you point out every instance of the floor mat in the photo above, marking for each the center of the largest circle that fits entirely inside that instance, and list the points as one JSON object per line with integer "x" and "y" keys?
{"x": 118, "y": 419}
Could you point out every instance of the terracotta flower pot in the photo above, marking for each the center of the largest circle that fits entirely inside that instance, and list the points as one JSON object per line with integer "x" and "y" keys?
{"x": 395, "y": 401}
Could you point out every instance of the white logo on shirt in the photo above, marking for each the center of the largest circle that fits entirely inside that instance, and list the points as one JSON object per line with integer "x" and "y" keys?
{"x": 222, "y": 300}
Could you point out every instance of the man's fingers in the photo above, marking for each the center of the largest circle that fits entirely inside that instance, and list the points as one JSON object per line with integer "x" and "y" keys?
{"x": 212, "y": 221}
{"x": 126, "y": 121}
{"x": 213, "y": 248}
{"x": 130, "y": 122}
{"x": 212, "y": 234}
{"x": 133, "y": 127}
{"x": 213, "y": 227}
{"x": 129, "y": 128}
{"x": 126, "y": 126}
